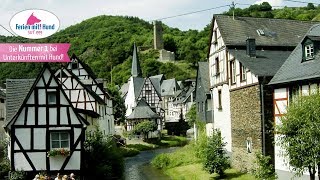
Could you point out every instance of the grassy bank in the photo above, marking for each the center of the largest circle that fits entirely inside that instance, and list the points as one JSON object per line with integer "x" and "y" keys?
{"x": 166, "y": 141}
{"x": 184, "y": 164}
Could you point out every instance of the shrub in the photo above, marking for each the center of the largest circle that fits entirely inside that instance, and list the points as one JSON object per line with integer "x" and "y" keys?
{"x": 161, "y": 161}
{"x": 215, "y": 155}
{"x": 263, "y": 169}
{"x": 102, "y": 157}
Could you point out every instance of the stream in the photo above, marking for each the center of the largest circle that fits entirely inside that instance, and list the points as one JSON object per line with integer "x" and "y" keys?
{"x": 139, "y": 167}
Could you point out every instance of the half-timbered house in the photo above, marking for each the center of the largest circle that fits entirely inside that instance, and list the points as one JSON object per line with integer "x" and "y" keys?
{"x": 299, "y": 75}
{"x": 142, "y": 88}
{"x": 244, "y": 55}
{"x": 44, "y": 121}
{"x": 2, "y": 114}
{"x": 86, "y": 102}
{"x": 88, "y": 79}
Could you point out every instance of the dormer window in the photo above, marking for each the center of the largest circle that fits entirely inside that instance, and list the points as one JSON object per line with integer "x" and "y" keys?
{"x": 309, "y": 51}
{"x": 310, "y": 47}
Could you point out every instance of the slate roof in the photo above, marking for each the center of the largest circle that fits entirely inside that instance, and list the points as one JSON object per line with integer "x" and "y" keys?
{"x": 266, "y": 62}
{"x": 138, "y": 83}
{"x": 156, "y": 81}
{"x": 203, "y": 72}
{"x": 17, "y": 90}
{"x": 167, "y": 87}
{"x": 143, "y": 111}
{"x": 135, "y": 69}
{"x": 294, "y": 69}
{"x": 278, "y": 32}
{"x": 124, "y": 89}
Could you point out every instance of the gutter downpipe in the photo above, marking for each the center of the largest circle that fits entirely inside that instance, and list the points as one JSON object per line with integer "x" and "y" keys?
{"x": 263, "y": 116}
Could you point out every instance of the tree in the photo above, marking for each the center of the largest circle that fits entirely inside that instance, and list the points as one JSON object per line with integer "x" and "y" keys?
{"x": 145, "y": 127}
{"x": 301, "y": 134}
{"x": 119, "y": 108}
{"x": 191, "y": 115}
{"x": 102, "y": 158}
{"x": 263, "y": 168}
{"x": 215, "y": 155}
{"x": 310, "y": 6}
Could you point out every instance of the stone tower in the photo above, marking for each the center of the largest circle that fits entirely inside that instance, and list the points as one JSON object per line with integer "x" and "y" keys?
{"x": 157, "y": 35}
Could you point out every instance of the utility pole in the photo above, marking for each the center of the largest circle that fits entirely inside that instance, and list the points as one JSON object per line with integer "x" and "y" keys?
{"x": 233, "y": 6}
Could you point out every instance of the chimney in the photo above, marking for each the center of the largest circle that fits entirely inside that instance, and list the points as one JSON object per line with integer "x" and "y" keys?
{"x": 251, "y": 47}
{"x": 157, "y": 35}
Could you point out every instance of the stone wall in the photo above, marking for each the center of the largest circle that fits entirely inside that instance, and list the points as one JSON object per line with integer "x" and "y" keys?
{"x": 246, "y": 126}
{"x": 166, "y": 55}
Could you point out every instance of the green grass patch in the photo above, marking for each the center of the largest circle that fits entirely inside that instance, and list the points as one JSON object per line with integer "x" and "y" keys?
{"x": 195, "y": 172}
{"x": 128, "y": 152}
{"x": 168, "y": 141}
{"x": 184, "y": 156}
{"x": 141, "y": 147}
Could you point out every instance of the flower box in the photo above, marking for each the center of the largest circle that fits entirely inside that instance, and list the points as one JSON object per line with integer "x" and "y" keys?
{"x": 58, "y": 152}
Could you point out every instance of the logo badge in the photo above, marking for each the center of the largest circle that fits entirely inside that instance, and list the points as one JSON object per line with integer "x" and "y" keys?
{"x": 34, "y": 23}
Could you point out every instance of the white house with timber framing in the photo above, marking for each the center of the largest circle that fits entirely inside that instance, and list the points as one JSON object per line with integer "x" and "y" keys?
{"x": 142, "y": 88}
{"x": 89, "y": 81}
{"x": 244, "y": 54}
{"x": 86, "y": 102}
{"x": 45, "y": 120}
{"x": 299, "y": 75}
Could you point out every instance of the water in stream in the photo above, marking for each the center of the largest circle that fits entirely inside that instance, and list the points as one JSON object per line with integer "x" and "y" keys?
{"x": 139, "y": 168}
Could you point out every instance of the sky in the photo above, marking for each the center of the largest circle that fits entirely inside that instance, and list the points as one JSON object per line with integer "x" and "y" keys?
{"x": 71, "y": 12}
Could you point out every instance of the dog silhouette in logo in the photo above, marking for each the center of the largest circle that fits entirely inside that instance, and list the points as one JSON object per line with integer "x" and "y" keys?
{"x": 32, "y": 20}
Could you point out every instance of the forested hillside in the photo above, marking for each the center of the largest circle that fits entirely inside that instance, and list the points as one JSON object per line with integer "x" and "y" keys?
{"x": 106, "y": 42}
{"x": 308, "y": 13}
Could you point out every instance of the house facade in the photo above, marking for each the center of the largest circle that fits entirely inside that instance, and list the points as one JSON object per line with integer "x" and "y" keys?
{"x": 87, "y": 93}
{"x": 43, "y": 121}
{"x": 140, "y": 88}
{"x": 2, "y": 114}
{"x": 203, "y": 97}
{"x": 86, "y": 102}
{"x": 299, "y": 75}
{"x": 244, "y": 55}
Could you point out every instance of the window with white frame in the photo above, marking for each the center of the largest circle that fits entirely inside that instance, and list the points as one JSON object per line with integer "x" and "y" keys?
{"x": 233, "y": 72}
{"x": 60, "y": 139}
{"x": 309, "y": 51}
{"x": 243, "y": 73}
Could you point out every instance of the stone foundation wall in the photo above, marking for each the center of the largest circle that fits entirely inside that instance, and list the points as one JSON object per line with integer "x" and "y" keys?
{"x": 245, "y": 126}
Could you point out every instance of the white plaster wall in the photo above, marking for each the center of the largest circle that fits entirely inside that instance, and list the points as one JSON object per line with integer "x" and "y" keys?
{"x": 23, "y": 135}
{"x": 41, "y": 115}
{"x": 63, "y": 118}
{"x": 209, "y": 129}
{"x": 74, "y": 162}
{"x": 56, "y": 162}
{"x": 38, "y": 159}
{"x": 21, "y": 163}
{"x": 40, "y": 138}
{"x": 222, "y": 118}
{"x": 130, "y": 98}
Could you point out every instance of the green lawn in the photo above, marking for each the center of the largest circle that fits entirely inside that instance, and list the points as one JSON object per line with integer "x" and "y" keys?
{"x": 166, "y": 141}
{"x": 195, "y": 172}
{"x": 183, "y": 165}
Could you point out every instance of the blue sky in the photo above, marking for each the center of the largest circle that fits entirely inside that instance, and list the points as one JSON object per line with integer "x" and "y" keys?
{"x": 74, "y": 11}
